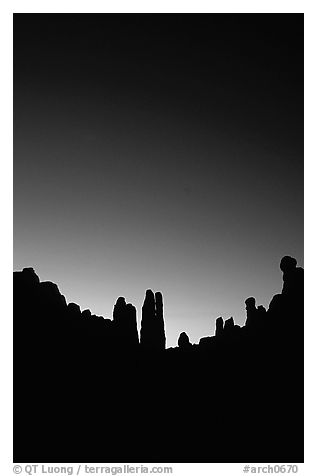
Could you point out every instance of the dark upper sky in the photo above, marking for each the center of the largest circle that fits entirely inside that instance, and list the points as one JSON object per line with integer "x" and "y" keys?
{"x": 159, "y": 151}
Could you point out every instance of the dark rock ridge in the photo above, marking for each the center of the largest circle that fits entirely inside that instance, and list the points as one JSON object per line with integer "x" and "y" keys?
{"x": 87, "y": 389}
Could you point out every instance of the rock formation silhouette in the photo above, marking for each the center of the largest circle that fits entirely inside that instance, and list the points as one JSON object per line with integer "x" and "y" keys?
{"x": 219, "y": 326}
{"x": 293, "y": 277}
{"x": 125, "y": 399}
{"x": 251, "y": 311}
{"x": 255, "y": 320}
{"x": 229, "y": 326}
{"x": 125, "y": 324}
{"x": 152, "y": 336}
{"x": 183, "y": 341}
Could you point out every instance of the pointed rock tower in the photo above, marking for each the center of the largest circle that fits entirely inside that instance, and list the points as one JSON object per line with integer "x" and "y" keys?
{"x": 152, "y": 323}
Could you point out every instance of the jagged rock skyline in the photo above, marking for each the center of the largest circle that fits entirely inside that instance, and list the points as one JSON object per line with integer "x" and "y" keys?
{"x": 152, "y": 330}
{"x": 157, "y": 155}
{"x": 158, "y": 181}
{"x": 96, "y": 374}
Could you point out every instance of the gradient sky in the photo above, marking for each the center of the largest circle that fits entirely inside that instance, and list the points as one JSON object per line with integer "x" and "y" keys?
{"x": 159, "y": 151}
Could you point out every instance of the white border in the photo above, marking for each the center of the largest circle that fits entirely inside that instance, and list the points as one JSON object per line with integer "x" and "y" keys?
{"x": 133, "y": 6}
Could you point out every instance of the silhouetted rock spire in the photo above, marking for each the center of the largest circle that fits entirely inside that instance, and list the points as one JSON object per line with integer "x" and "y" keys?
{"x": 255, "y": 315}
{"x": 183, "y": 341}
{"x": 230, "y": 329}
{"x": 125, "y": 324}
{"x": 219, "y": 326}
{"x": 293, "y": 277}
{"x": 229, "y": 325}
{"x": 160, "y": 327}
{"x": 251, "y": 311}
{"x": 286, "y": 309}
{"x": 152, "y": 323}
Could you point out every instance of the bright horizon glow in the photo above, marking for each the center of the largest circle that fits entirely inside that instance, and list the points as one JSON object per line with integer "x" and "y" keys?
{"x": 170, "y": 161}
{"x": 197, "y": 321}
